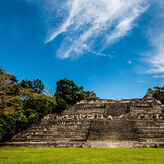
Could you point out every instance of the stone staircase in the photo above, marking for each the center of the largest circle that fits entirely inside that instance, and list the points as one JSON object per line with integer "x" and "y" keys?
{"x": 151, "y": 133}
{"x": 56, "y": 133}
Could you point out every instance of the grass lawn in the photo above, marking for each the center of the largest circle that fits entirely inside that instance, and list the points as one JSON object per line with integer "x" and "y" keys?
{"x": 77, "y": 156}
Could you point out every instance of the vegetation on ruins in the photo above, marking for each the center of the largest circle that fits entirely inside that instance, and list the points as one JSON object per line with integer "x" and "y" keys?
{"x": 25, "y": 103}
{"x": 157, "y": 93}
{"x": 68, "y": 94}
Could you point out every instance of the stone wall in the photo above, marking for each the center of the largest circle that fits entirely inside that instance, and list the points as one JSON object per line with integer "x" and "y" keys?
{"x": 113, "y": 130}
{"x": 100, "y": 123}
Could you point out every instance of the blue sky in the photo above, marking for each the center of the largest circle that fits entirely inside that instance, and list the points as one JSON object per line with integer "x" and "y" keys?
{"x": 115, "y": 48}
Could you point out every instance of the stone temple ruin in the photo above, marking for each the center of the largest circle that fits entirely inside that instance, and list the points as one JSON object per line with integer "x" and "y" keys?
{"x": 98, "y": 123}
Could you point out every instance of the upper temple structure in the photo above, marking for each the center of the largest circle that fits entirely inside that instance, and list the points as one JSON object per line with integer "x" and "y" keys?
{"x": 99, "y": 123}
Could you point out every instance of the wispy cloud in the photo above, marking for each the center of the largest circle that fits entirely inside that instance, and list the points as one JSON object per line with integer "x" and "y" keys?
{"x": 86, "y": 22}
{"x": 158, "y": 76}
{"x": 142, "y": 81}
{"x": 155, "y": 58}
{"x": 129, "y": 62}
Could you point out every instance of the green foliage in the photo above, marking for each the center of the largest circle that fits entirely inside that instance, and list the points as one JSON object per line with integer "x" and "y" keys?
{"x": 68, "y": 93}
{"x": 37, "y": 103}
{"x": 157, "y": 93}
{"x": 10, "y": 104}
{"x": 36, "y": 85}
{"x": 21, "y": 104}
{"x": 8, "y": 126}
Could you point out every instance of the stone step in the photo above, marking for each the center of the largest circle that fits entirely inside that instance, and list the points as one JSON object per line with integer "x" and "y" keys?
{"x": 111, "y": 144}
{"x": 153, "y": 121}
{"x": 56, "y": 136}
{"x": 56, "y": 133}
{"x": 151, "y": 135}
{"x": 60, "y": 124}
{"x": 53, "y": 134}
{"x": 152, "y": 144}
{"x": 150, "y": 132}
{"x": 28, "y": 144}
{"x": 156, "y": 122}
{"x": 150, "y": 124}
{"x": 39, "y": 139}
{"x": 69, "y": 129}
{"x": 69, "y": 122}
{"x": 78, "y": 128}
{"x": 90, "y": 144}
{"x": 151, "y": 129}
{"x": 43, "y": 144}
{"x": 151, "y": 140}
{"x": 58, "y": 130}
{"x": 68, "y": 144}
{"x": 149, "y": 121}
{"x": 53, "y": 131}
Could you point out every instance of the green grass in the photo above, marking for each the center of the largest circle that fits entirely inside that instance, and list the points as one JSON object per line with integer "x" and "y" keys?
{"x": 80, "y": 156}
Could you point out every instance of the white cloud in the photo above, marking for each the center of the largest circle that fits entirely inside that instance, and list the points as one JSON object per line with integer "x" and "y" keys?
{"x": 158, "y": 76}
{"x": 141, "y": 81}
{"x": 89, "y": 20}
{"x": 129, "y": 62}
{"x": 155, "y": 58}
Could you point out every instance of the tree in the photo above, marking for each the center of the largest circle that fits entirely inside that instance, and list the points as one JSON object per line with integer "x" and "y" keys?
{"x": 157, "y": 93}
{"x": 37, "y": 105}
{"x": 9, "y": 98}
{"x": 10, "y": 105}
{"x": 22, "y": 104}
{"x": 36, "y": 85}
{"x": 68, "y": 93}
